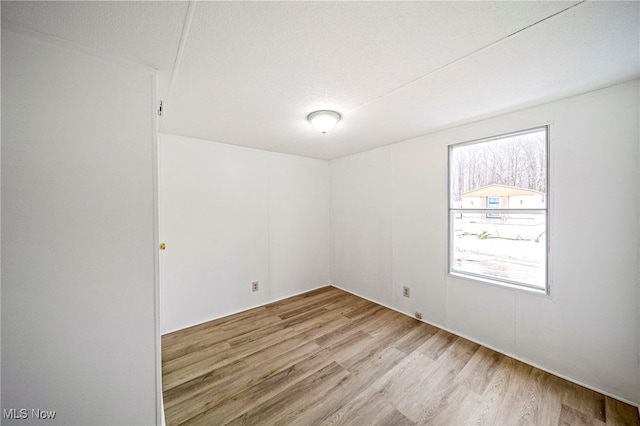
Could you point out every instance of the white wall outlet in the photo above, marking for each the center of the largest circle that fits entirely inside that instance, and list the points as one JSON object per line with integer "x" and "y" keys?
{"x": 406, "y": 291}
{"x": 255, "y": 286}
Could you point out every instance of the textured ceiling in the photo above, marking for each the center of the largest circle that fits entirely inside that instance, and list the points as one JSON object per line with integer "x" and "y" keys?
{"x": 144, "y": 32}
{"x": 248, "y": 73}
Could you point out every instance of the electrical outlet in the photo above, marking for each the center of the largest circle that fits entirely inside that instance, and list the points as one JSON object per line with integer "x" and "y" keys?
{"x": 255, "y": 286}
{"x": 406, "y": 292}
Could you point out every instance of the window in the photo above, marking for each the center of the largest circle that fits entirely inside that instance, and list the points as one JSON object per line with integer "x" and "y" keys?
{"x": 498, "y": 209}
{"x": 493, "y": 203}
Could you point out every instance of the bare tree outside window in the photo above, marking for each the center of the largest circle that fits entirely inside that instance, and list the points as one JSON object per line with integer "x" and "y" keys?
{"x": 498, "y": 209}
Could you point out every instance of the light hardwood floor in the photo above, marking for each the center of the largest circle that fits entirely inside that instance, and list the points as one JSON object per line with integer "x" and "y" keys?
{"x": 329, "y": 357}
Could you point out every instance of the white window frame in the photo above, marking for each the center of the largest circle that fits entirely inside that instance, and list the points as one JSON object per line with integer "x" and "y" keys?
{"x": 455, "y": 211}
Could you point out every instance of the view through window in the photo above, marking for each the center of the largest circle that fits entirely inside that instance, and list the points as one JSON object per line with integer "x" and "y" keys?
{"x": 498, "y": 209}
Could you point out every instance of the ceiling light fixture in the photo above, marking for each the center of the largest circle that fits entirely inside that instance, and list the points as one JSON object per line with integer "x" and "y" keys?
{"x": 324, "y": 121}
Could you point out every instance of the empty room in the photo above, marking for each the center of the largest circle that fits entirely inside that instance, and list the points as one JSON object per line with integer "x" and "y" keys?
{"x": 320, "y": 213}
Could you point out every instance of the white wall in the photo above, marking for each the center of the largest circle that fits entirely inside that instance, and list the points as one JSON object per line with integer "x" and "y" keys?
{"x": 360, "y": 219}
{"x": 79, "y": 333}
{"x": 298, "y": 224}
{"x": 389, "y": 229}
{"x": 230, "y": 216}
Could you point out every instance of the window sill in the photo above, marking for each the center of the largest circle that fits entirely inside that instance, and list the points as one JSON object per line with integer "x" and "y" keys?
{"x": 498, "y": 283}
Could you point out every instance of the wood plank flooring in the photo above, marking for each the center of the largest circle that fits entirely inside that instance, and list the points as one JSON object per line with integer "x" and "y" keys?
{"x": 328, "y": 357}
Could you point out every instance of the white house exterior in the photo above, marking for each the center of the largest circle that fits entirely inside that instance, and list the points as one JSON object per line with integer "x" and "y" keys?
{"x": 520, "y": 225}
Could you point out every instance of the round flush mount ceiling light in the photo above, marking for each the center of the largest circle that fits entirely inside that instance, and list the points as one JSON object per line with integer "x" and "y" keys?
{"x": 324, "y": 121}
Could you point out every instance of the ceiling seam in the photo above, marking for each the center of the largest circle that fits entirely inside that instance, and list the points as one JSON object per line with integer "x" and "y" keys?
{"x": 460, "y": 59}
{"x": 72, "y": 45}
{"x": 186, "y": 29}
